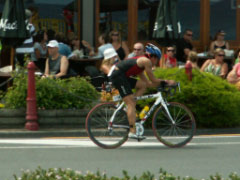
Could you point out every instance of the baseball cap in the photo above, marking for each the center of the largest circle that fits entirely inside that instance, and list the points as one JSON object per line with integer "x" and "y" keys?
{"x": 53, "y": 43}
{"x": 109, "y": 53}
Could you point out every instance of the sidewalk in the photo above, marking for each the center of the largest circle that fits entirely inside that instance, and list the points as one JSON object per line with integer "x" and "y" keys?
{"x": 81, "y": 132}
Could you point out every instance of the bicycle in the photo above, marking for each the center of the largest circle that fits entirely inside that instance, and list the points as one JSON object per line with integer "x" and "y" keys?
{"x": 173, "y": 123}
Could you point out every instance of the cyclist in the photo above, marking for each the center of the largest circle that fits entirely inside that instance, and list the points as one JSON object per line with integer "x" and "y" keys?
{"x": 120, "y": 74}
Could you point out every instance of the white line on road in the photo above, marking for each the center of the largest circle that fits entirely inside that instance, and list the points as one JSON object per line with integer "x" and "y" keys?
{"x": 80, "y": 142}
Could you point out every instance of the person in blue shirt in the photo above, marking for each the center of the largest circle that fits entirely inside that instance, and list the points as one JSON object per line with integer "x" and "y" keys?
{"x": 63, "y": 49}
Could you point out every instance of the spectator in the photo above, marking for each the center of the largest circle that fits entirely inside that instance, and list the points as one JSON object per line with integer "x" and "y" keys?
{"x": 192, "y": 58}
{"x": 237, "y": 58}
{"x": 40, "y": 46}
{"x": 216, "y": 66}
{"x": 56, "y": 64}
{"x": 104, "y": 44}
{"x": 110, "y": 58}
{"x": 219, "y": 42}
{"x": 88, "y": 49}
{"x": 64, "y": 49}
{"x": 184, "y": 45}
{"x": 77, "y": 51}
{"x": 138, "y": 50}
{"x": 168, "y": 59}
{"x": 27, "y": 46}
{"x": 119, "y": 45}
{"x": 234, "y": 75}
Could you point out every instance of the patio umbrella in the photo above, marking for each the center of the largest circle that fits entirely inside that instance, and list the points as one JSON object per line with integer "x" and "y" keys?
{"x": 166, "y": 27}
{"x": 13, "y": 25}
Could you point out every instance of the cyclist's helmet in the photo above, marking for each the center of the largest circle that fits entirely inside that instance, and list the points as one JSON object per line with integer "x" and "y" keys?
{"x": 153, "y": 50}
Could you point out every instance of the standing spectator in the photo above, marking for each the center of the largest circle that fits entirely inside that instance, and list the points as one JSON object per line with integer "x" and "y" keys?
{"x": 119, "y": 45}
{"x": 27, "y": 46}
{"x": 169, "y": 59}
{"x": 234, "y": 75}
{"x": 40, "y": 46}
{"x": 192, "y": 58}
{"x": 184, "y": 45}
{"x": 56, "y": 64}
{"x": 216, "y": 66}
{"x": 219, "y": 42}
{"x": 138, "y": 50}
{"x": 64, "y": 49}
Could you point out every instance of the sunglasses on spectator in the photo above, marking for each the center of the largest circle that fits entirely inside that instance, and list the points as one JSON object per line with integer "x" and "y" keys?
{"x": 189, "y": 34}
{"x": 170, "y": 50}
{"x": 135, "y": 49}
{"x": 221, "y": 55}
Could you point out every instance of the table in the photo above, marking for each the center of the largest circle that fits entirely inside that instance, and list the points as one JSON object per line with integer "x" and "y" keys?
{"x": 79, "y": 64}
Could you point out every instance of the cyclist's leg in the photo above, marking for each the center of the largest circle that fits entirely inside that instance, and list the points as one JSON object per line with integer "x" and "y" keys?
{"x": 131, "y": 111}
{"x": 140, "y": 87}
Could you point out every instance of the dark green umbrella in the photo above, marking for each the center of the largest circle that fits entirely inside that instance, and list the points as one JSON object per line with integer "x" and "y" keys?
{"x": 166, "y": 24}
{"x": 12, "y": 23}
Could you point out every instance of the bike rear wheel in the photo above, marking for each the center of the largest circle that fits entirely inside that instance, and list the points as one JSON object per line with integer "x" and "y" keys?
{"x": 175, "y": 134}
{"x": 103, "y": 133}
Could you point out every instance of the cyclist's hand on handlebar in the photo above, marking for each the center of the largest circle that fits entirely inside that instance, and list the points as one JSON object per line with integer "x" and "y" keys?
{"x": 170, "y": 82}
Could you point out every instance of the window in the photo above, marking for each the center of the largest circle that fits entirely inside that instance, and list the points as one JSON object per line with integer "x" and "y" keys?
{"x": 223, "y": 17}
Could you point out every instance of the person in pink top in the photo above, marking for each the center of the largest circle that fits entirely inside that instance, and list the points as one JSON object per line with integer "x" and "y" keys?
{"x": 169, "y": 60}
{"x": 234, "y": 75}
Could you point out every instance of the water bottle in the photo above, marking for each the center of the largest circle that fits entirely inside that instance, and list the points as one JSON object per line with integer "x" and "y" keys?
{"x": 143, "y": 112}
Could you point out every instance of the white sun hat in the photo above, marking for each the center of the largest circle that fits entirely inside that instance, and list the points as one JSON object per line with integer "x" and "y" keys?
{"x": 109, "y": 53}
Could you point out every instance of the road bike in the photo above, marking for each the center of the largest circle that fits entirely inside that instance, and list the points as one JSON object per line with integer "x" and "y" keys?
{"x": 173, "y": 123}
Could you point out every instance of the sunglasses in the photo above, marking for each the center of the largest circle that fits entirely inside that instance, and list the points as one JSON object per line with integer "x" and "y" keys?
{"x": 137, "y": 49}
{"x": 221, "y": 55}
{"x": 189, "y": 34}
{"x": 170, "y": 50}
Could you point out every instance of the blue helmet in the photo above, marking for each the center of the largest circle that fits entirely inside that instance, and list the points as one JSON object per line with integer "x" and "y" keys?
{"x": 153, "y": 50}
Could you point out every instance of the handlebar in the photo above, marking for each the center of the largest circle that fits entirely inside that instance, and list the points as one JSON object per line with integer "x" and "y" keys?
{"x": 169, "y": 89}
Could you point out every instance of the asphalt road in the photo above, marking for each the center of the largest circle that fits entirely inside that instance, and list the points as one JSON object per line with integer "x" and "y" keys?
{"x": 204, "y": 156}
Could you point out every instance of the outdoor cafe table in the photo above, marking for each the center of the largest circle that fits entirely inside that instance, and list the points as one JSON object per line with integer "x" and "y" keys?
{"x": 79, "y": 64}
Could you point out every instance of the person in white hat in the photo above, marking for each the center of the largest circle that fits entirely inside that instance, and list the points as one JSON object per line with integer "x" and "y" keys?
{"x": 56, "y": 64}
{"x": 110, "y": 58}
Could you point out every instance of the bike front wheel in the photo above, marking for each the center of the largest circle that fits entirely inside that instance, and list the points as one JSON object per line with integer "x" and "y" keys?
{"x": 104, "y": 133}
{"x": 178, "y": 132}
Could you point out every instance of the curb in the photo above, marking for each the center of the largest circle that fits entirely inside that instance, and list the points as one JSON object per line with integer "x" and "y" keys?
{"x": 73, "y": 132}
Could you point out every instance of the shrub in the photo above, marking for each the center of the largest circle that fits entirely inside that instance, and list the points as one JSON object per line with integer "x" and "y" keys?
{"x": 213, "y": 101}
{"x": 66, "y": 174}
{"x": 75, "y": 92}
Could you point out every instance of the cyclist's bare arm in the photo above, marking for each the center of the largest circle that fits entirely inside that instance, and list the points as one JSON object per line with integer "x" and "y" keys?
{"x": 146, "y": 63}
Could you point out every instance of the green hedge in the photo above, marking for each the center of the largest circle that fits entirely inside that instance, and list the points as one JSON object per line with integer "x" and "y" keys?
{"x": 66, "y": 174}
{"x": 75, "y": 92}
{"x": 214, "y": 102}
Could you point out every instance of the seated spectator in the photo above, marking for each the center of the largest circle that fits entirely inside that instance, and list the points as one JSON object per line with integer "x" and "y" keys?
{"x": 234, "y": 75}
{"x": 89, "y": 50}
{"x": 56, "y": 64}
{"x": 104, "y": 44}
{"x": 110, "y": 58}
{"x": 237, "y": 58}
{"x": 40, "y": 45}
{"x": 138, "y": 50}
{"x": 168, "y": 60}
{"x": 119, "y": 45}
{"x": 64, "y": 48}
{"x": 216, "y": 66}
{"x": 77, "y": 51}
{"x": 192, "y": 58}
{"x": 184, "y": 45}
{"x": 218, "y": 42}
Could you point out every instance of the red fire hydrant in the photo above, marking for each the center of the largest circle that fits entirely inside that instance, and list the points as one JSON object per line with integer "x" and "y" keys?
{"x": 31, "y": 117}
{"x": 188, "y": 70}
